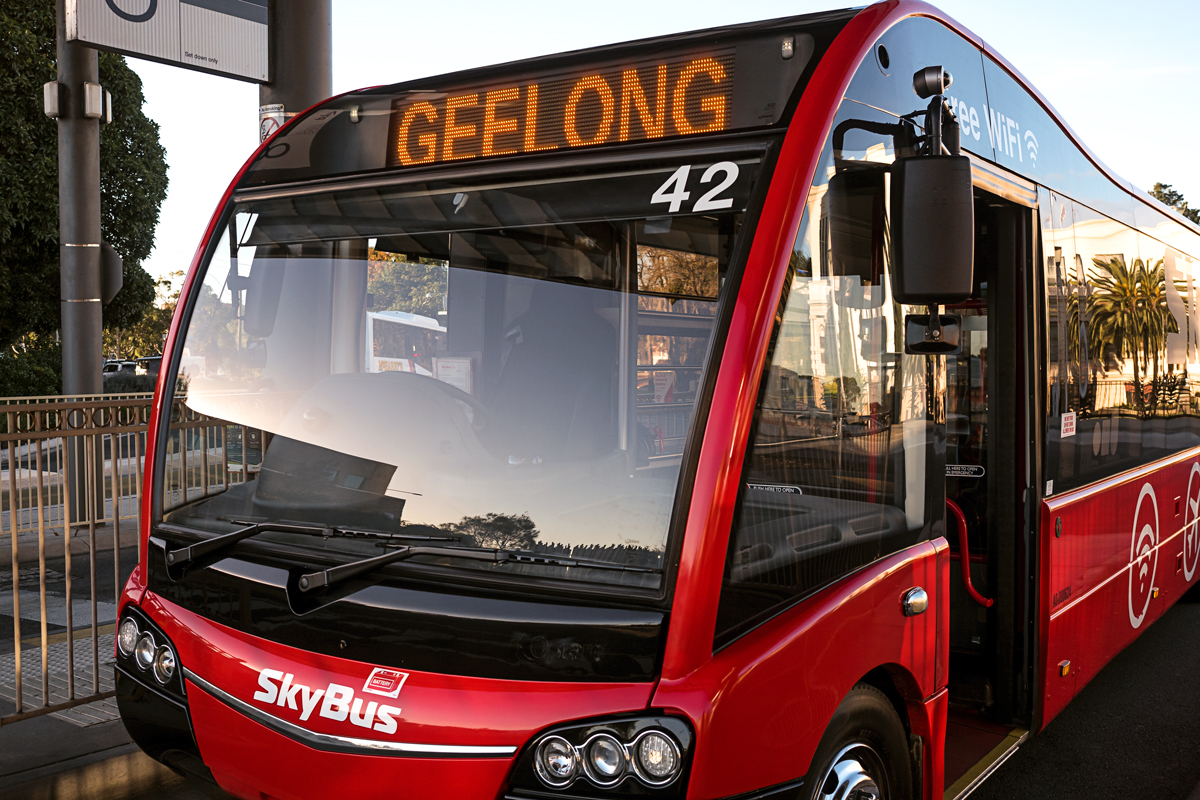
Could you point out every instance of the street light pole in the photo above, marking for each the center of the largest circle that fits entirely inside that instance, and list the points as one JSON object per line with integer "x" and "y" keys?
{"x": 301, "y": 61}
{"x": 81, "y": 106}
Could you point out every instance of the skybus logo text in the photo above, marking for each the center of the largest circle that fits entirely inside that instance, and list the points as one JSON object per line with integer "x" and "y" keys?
{"x": 336, "y": 702}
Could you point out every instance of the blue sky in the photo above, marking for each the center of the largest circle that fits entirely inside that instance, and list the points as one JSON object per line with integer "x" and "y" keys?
{"x": 1125, "y": 76}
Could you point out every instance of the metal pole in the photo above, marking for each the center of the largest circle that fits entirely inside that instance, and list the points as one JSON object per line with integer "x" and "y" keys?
{"x": 78, "y": 216}
{"x": 78, "y": 233}
{"x": 301, "y": 60}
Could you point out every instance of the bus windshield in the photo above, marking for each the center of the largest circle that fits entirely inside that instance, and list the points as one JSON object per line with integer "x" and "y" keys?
{"x": 511, "y": 364}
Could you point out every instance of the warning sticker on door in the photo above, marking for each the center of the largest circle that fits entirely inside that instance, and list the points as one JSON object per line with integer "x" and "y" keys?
{"x": 964, "y": 471}
{"x": 1068, "y": 424}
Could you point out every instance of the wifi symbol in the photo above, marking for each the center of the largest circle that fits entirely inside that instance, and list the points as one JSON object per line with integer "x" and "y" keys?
{"x": 1031, "y": 143}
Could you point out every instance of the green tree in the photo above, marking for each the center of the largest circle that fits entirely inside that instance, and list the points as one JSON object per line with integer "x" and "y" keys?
{"x": 146, "y": 336}
{"x": 31, "y": 368}
{"x": 1158, "y": 319}
{"x": 133, "y": 179}
{"x": 1117, "y": 319}
{"x": 516, "y": 532}
{"x": 416, "y": 287}
{"x": 1168, "y": 196}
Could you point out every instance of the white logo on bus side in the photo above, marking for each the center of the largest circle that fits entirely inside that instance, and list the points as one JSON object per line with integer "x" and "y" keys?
{"x": 1004, "y": 133}
{"x": 1191, "y": 524}
{"x": 339, "y": 702}
{"x": 1143, "y": 557}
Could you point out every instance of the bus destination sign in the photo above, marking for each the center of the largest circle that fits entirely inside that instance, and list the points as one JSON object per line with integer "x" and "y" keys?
{"x": 650, "y": 100}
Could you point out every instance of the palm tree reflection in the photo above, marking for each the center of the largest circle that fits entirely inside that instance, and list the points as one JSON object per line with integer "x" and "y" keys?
{"x": 1128, "y": 317}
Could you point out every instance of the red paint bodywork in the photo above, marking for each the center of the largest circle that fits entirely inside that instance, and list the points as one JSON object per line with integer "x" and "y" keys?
{"x": 436, "y": 709}
{"x": 744, "y": 699}
{"x": 1093, "y": 564}
{"x": 765, "y": 699}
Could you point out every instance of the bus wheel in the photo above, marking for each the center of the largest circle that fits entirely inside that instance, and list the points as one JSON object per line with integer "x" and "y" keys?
{"x": 863, "y": 754}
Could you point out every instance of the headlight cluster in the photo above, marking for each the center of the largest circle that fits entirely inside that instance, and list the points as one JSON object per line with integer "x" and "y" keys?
{"x": 146, "y": 653}
{"x": 652, "y": 756}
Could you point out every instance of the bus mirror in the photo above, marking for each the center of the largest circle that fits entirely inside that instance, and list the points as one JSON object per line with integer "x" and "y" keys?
{"x": 264, "y": 286}
{"x": 854, "y": 254}
{"x": 933, "y": 334}
{"x": 933, "y": 230}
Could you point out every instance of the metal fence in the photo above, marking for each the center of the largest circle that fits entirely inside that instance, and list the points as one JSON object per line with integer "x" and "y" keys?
{"x": 71, "y": 483}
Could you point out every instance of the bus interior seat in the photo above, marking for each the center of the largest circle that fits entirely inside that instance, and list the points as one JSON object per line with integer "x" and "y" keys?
{"x": 554, "y": 394}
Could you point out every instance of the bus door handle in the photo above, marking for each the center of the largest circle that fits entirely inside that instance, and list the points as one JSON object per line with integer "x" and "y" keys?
{"x": 965, "y": 555}
{"x": 915, "y": 601}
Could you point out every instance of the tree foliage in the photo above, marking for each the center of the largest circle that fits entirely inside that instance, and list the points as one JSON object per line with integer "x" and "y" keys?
{"x": 133, "y": 179}
{"x": 515, "y": 532}
{"x": 31, "y": 368}
{"x": 397, "y": 284}
{"x": 146, "y": 336}
{"x": 1168, "y": 196}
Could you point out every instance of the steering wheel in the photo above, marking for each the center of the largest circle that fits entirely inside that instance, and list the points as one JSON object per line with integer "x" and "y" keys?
{"x": 482, "y": 416}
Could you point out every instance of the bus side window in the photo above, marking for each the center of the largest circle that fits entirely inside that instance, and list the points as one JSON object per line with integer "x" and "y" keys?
{"x": 1121, "y": 392}
{"x": 835, "y": 472}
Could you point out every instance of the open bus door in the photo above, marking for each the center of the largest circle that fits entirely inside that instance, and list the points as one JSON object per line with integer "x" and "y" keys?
{"x": 991, "y": 496}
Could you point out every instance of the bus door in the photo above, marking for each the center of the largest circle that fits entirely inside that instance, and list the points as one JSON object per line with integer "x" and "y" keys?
{"x": 985, "y": 493}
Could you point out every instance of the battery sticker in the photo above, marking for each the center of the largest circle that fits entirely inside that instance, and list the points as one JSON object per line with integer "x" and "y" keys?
{"x": 386, "y": 682}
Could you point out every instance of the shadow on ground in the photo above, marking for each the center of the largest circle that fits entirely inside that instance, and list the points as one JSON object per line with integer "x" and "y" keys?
{"x": 1133, "y": 732}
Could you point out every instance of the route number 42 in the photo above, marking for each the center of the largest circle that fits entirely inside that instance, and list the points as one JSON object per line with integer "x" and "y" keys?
{"x": 674, "y": 191}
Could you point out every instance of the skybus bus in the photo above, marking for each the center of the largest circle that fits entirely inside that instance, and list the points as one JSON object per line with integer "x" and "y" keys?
{"x": 820, "y": 421}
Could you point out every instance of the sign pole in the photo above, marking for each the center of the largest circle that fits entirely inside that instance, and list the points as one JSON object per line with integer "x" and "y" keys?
{"x": 301, "y": 61}
{"x": 79, "y": 211}
{"x": 80, "y": 106}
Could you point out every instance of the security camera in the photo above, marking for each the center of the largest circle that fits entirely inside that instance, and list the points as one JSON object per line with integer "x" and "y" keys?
{"x": 930, "y": 81}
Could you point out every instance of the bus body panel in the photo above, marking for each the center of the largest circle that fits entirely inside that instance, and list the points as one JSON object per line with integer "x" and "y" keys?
{"x": 252, "y": 762}
{"x": 744, "y": 701}
{"x": 434, "y": 708}
{"x": 1114, "y": 562}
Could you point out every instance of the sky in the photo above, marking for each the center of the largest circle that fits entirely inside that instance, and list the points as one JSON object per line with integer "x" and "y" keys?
{"x": 1124, "y": 75}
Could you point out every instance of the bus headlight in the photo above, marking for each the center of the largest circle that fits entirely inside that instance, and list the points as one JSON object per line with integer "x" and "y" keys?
{"x": 623, "y": 756}
{"x": 143, "y": 647}
{"x": 164, "y": 664}
{"x": 657, "y": 757}
{"x": 143, "y": 654}
{"x": 127, "y": 637}
{"x": 605, "y": 759}
{"x": 556, "y": 762}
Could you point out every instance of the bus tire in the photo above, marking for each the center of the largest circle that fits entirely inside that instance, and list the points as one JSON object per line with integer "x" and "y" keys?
{"x": 863, "y": 752}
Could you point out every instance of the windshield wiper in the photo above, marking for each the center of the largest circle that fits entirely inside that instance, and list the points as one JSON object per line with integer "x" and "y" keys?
{"x": 185, "y": 555}
{"x": 381, "y": 537}
{"x": 326, "y": 578}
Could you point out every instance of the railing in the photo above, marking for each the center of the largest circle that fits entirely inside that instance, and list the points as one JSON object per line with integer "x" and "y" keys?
{"x": 71, "y": 483}
{"x": 1167, "y": 396}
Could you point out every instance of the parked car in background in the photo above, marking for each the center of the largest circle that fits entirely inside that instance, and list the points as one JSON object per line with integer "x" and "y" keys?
{"x": 148, "y": 365}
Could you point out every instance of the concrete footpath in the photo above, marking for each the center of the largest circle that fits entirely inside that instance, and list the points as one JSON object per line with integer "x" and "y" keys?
{"x": 47, "y": 759}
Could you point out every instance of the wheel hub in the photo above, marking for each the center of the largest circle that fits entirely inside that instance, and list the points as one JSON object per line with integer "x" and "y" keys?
{"x": 854, "y": 775}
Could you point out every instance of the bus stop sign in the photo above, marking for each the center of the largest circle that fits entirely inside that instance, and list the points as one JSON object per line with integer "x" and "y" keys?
{"x": 223, "y": 37}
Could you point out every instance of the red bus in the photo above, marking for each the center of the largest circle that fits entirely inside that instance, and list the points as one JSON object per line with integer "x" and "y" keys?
{"x": 803, "y": 411}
